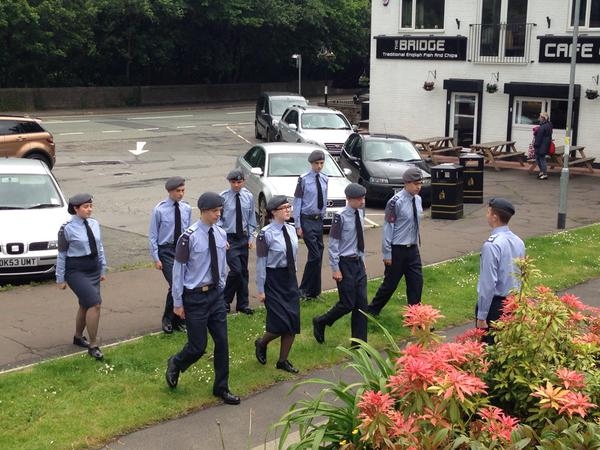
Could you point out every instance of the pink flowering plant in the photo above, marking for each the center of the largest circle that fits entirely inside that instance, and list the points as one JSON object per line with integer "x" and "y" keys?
{"x": 537, "y": 387}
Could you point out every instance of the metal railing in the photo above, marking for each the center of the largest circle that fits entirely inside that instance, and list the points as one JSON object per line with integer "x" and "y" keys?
{"x": 503, "y": 43}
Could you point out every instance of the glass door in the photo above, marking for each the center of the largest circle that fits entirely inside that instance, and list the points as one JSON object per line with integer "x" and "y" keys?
{"x": 463, "y": 117}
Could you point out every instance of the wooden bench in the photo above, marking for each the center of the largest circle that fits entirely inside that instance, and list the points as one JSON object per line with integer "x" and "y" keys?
{"x": 558, "y": 158}
{"x": 454, "y": 151}
{"x": 498, "y": 150}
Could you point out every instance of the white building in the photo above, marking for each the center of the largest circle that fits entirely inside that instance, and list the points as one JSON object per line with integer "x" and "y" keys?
{"x": 521, "y": 46}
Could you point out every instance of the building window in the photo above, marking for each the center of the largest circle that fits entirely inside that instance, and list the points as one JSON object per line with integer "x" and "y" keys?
{"x": 422, "y": 14}
{"x": 589, "y": 13}
{"x": 527, "y": 111}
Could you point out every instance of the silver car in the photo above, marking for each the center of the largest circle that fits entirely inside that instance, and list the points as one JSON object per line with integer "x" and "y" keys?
{"x": 273, "y": 169}
{"x": 32, "y": 209}
{"x": 325, "y": 127}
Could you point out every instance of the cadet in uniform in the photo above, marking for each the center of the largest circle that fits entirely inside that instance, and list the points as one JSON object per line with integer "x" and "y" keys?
{"x": 81, "y": 265}
{"x": 169, "y": 218}
{"x": 346, "y": 258}
{"x": 497, "y": 267}
{"x": 198, "y": 281}
{"x": 239, "y": 221}
{"x": 400, "y": 244}
{"x": 310, "y": 203}
{"x": 276, "y": 249}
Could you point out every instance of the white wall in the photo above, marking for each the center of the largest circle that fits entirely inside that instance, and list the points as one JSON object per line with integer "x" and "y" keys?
{"x": 400, "y": 105}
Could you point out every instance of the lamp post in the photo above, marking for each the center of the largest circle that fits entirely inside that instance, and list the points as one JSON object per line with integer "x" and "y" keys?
{"x": 328, "y": 56}
{"x": 298, "y": 58}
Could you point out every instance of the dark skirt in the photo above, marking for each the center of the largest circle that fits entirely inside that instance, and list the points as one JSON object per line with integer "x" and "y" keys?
{"x": 82, "y": 274}
{"x": 282, "y": 302}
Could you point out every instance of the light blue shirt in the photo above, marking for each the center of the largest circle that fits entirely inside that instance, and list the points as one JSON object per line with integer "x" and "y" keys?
{"x": 228, "y": 218}
{"x": 73, "y": 242}
{"x": 162, "y": 224}
{"x": 498, "y": 274}
{"x": 399, "y": 226}
{"x": 271, "y": 251}
{"x": 342, "y": 236}
{"x": 191, "y": 268}
{"x": 305, "y": 196}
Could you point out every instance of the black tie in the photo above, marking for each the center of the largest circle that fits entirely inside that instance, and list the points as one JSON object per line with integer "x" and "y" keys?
{"x": 416, "y": 218}
{"x": 319, "y": 192}
{"x": 360, "y": 238}
{"x": 214, "y": 262}
{"x": 289, "y": 253}
{"x": 239, "y": 229}
{"x": 177, "y": 231}
{"x": 91, "y": 239}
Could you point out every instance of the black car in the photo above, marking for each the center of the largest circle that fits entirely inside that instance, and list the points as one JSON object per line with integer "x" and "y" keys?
{"x": 270, "y": 106}
{"x": 378, "y": 163}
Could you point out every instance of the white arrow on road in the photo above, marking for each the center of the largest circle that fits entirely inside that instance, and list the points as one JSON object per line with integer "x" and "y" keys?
{"x": 139, "y": 149}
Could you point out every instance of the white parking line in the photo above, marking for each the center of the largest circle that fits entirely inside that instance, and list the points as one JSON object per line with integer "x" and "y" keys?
{"x": 45, "y": 122}
{"x": 244, "y": 123}
{"x": 159, "y": 117}
{"x": 187, "y": 126}
{"x": 112, "y": 131}
{"x": 219, "y": 125}
{"x": 373, "y": 224}
{"x": 70, "y": 134}
{"x": 149, "y": 129}
{"x": 239, "y": 135}
{"x": 241, "y": 112}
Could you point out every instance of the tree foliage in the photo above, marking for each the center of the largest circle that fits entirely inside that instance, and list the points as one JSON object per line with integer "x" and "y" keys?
{"x": 130, "y": 42}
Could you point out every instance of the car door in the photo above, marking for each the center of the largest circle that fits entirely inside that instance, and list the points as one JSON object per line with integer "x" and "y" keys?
{"x": 350, "y": 157}
{"x": 287, "y": 133}
{"x": 254, "y": 158}
{"x": 9, "y": 130}
{"x": 262, "y": 115}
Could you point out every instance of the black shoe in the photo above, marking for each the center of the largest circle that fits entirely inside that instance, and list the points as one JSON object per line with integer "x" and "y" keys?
{"x": 246, "y": 310}
{"x": 172, "y": 373}
{"x": 95, "y": 352}
{"x": 167, "y": 326}
{"x": 318, "y": 330}
{"x": 180, "y": 327}
{"x": 287, "y": 366}
{"x": 228, "y": 397}
{"x": 260, "y": 352}
{"x": 81, "y": 341}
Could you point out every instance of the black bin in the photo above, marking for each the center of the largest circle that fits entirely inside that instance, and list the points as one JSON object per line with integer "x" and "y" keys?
{"x": 364, "y": 110}
{"x": 473, "y": 177}
{"x": 447, "y": 191}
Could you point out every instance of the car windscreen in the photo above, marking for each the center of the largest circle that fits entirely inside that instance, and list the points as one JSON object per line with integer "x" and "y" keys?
{"x": 295, "y": 164}
{"x": 375, "y": 150}
{"x": 27, "y": 191}
{"x": 321, "y": 121}
{"x": 279, "y": 105}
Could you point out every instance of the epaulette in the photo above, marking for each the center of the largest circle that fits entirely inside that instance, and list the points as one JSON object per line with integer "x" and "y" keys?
{"x": 299, "y": 192}
{"x": 262, "y": 250}
{"x": 182, "y": 251}
{"x": 492, "y": 237}
{"x": 390, "y": 210}
{"x": 63, "y": 244}
{"x": 336, "y": 227}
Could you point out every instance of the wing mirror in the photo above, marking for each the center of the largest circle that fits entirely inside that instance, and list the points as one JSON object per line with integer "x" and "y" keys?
{"x": 347, "y": 171}
{"x": 293, "y": 127}
{"x": 256, "y": 171}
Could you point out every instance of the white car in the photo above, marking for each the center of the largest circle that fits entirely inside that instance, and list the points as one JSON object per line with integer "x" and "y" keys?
{"x": 318, "y": 125}
{"x": 32, "y": 210}
{"x": 273, "y": 169}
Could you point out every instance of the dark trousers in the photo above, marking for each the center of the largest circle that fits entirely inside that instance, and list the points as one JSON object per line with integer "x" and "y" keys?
{"x": 352, "y": 291}
{"x": 166, "y": 255}
{"x": 493, "y": 314}
{"x": 406, "y": 261}
{"x": 541, "y": 162}
{"x": 205, "y": 311}
{"x": 312, "y": 234}
{"x": 237, "y": 279}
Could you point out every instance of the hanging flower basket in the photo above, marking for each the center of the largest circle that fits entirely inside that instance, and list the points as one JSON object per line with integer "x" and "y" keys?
{"x": 363, "y": 81}
{"x": 591, "y": 94}
{"x": 491, "y": 87}
{"x": 428, "y": 85}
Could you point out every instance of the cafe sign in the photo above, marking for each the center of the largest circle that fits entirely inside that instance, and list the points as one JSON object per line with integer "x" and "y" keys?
{"x": 558, "y": 49}
{"x": 451, "y": 48}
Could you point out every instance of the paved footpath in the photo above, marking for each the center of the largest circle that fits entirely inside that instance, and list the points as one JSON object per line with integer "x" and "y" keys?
{"x": 36, "y": 321}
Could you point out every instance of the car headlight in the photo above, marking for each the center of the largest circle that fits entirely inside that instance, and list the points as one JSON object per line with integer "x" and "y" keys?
{"x": 52, "y": 245}
{"x": 378, "y": 180}
{"x": 275, "y": 122}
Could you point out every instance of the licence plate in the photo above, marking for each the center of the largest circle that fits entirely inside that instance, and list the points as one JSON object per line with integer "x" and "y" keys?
{"x": 18, "y": 262}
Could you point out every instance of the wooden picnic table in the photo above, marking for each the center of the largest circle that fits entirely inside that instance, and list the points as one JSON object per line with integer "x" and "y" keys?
{"x": 574, "y": 159}
{"x": 498, "y": 150}
{"x": 436, "y": 145}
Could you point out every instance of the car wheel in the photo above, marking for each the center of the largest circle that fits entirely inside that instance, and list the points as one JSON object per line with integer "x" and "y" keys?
{"x": 262, "y": 212}
{"x": 40, "y": 157}
{"x": 257, "y": 135}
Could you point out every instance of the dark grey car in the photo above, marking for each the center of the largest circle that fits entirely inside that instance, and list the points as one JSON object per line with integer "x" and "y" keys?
{"x": 270, "y": 106}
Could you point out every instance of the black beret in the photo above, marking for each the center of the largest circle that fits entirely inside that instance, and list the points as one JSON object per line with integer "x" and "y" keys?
{"x": 209, "y": 200}
{"x": 276, "y": 201}
{"x": 502, "y": 204}
{"x": 355, "y": 190}
{"x": 174, "y": 183}
{"x": 412, "y": 174}
{"x": 316, "y": 155}
{"x": 78, "y": 200}
{"x": 235, "y": 175}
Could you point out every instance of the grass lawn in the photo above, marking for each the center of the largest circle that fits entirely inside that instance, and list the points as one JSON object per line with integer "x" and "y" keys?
{"x": 77, "y": 402}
